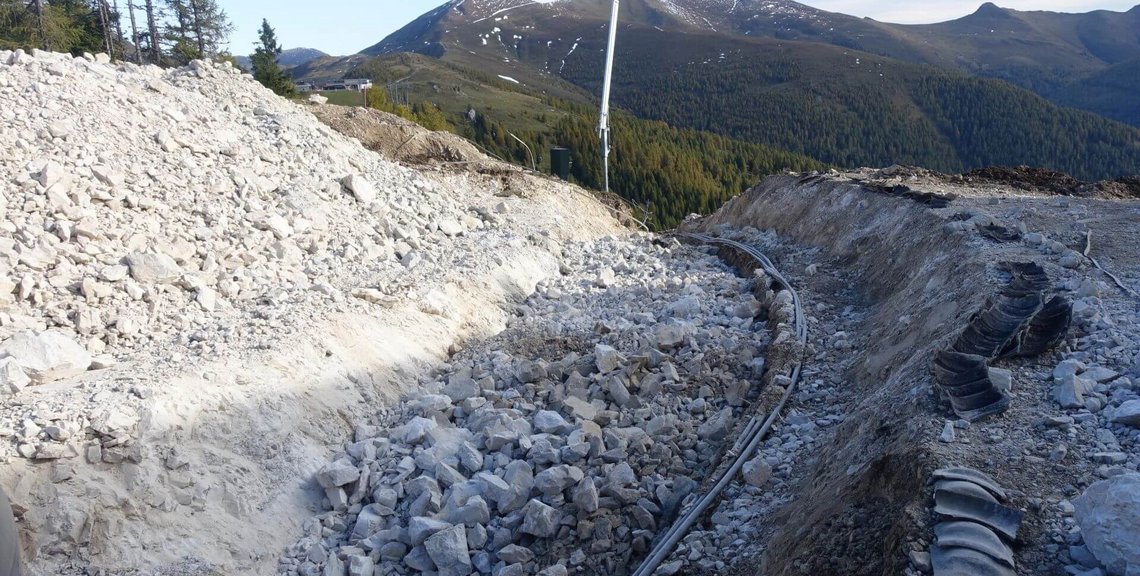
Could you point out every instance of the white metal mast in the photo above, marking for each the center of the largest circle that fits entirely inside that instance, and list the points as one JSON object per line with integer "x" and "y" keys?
{"x": 604, "y": 117}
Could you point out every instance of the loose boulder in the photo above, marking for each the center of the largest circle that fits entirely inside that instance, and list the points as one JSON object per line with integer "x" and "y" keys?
{"x": 1128, "y": 414}
{"x": 47, "y": 356}
{"x": 153, "y": 268}
{"x": 12, "y": 377}
{"x": 448, "y": 550}
{"x": 360, "y": 188}
{"x": 1109, "y": 516}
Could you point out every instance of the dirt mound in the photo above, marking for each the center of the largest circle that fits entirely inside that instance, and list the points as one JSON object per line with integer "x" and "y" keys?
{"x": 396, "y": 138}
{"x": 1026, "y": 178}
{"x": 1127, "y": 187}
{"x": 1042, "y": 180}
{"x": 404, "y": 141}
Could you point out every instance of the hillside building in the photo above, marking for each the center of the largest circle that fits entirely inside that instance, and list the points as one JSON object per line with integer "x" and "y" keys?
{"x": 353, "y": 84}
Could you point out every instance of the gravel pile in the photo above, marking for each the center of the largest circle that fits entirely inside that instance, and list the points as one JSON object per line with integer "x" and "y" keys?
{"x": 164, "y": 202}
{"x": 189, "y": 211}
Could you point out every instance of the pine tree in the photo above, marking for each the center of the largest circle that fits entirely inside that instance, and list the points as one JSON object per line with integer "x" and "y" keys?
{"x": 197, "y": 29}
{"x": 264, "y": 61}
{"x": 212, "y": 27}
{"x": 177, "y": 34}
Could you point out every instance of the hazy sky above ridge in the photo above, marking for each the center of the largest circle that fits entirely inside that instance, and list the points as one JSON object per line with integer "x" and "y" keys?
{"x": 342, "y": 27}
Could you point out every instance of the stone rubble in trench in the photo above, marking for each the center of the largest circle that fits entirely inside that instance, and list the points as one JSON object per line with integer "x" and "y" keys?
{"x": 564, "y": 444}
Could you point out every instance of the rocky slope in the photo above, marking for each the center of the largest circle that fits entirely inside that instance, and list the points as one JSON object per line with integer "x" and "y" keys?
{"x": 245, "y": 286}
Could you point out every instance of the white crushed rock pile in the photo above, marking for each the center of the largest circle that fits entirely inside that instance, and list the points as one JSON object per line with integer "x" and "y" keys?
{"x": 144, "y": 205}
{"x": 202, "y": 287}
{"x": 564, "y": 444}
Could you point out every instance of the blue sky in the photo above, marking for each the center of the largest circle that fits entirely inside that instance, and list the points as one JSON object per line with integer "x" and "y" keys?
{"x": 347, "y": 26}
{"x": 338, "y": 27}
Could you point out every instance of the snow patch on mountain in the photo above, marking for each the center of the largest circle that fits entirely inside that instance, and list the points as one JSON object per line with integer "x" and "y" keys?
{"x": 484, "y": 9}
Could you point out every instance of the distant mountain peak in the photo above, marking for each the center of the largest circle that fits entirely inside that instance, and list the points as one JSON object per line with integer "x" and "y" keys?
{"x": 991, "y": 9}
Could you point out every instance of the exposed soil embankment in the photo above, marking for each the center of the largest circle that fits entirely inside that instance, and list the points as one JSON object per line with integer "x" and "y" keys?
{"x": 922, "y": 283}
{"x": 920, "y": 271}
{"x": 399, "y": 139}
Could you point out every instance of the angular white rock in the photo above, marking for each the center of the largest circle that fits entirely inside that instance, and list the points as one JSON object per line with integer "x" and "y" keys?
{"x": 362, "y": 189}
{"x": 12, "y": 377}
{"x": 153, "y": 268}
{"x": 1128, "y": 414}
{"x": 47, "y": 356}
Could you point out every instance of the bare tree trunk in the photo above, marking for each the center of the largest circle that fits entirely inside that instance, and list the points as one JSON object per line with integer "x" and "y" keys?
{"x": 105, "y": 23}
{"x": 39, "y": 8}
{"x": 119, "y": 38}
{"x": 134, "y": 32}
{"x": 152, "y": 25}
{"x": 198, "y": 28}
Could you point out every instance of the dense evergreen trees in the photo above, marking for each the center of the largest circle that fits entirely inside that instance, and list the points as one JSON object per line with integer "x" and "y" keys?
{"x": 75, "y": 26}
{"x": 665, "y": 172}
{"x": 856, "y": 109}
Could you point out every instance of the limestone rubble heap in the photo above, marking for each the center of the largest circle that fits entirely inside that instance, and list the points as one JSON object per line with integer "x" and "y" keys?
{"x": 150, "y": 209}
{"x": 155, "y": 203}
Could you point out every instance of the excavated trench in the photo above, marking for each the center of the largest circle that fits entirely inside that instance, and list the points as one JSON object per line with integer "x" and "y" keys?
{"x": 936, "y": 323}
{"x": 891, "y": 282}
{"x": 920, "y": 283}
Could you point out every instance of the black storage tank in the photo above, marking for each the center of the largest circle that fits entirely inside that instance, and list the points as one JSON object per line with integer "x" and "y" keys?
{"x": 560, "y": 162}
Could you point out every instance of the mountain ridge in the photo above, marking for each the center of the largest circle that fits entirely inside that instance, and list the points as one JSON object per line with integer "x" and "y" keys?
{"x": 1050, "y": 53}
{"x": 288, "y": 58}
{"x": 833, "y": 100}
